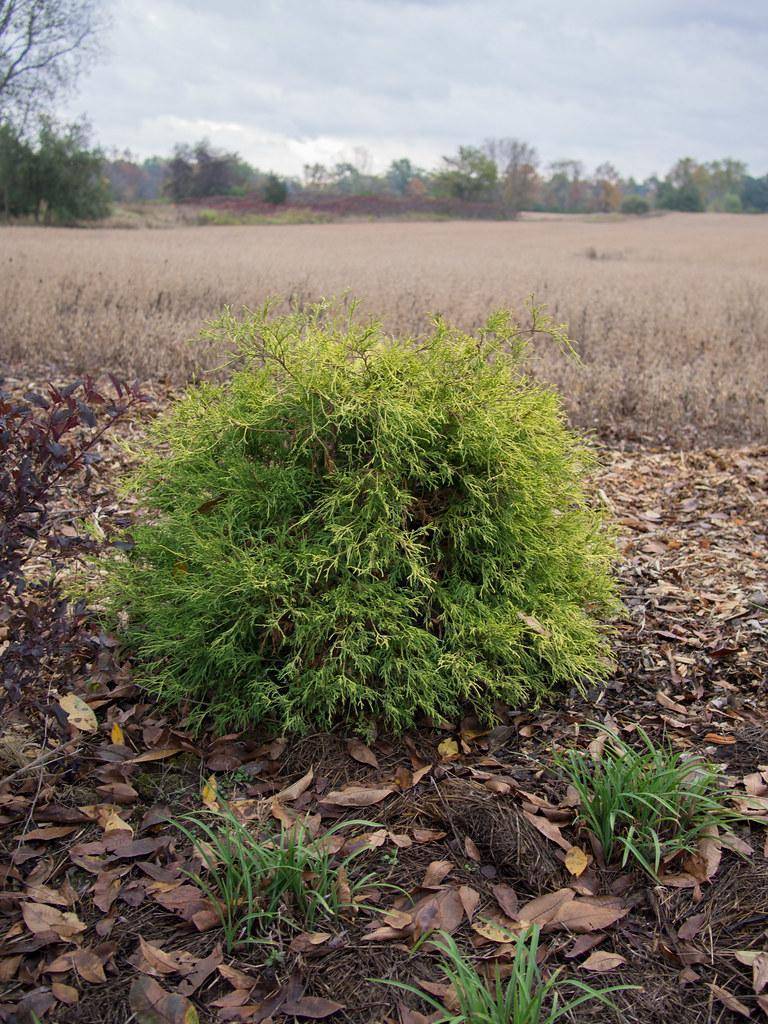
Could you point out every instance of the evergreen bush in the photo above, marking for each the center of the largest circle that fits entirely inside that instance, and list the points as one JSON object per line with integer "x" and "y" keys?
{"x": 358, "y": 528}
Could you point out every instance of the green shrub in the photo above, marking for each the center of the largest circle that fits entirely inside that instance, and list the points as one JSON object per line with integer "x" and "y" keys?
{"x": 275, "y": 190}
{"x": 358, "y": 527}
{"x": 636, "y": 205}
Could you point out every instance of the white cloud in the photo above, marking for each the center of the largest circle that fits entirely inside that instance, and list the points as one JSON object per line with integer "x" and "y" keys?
{"x": 289, "y": 81}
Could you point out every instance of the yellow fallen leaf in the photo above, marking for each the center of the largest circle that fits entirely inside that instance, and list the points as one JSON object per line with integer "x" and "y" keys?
{"x": 496, "y": 931}
{"x": 448, "y": 749}
{"x": 576, "y": 861}
{"x": 210, "y": 793}
{"x": 117, "y": 735}
{"x": 78, "y": 713}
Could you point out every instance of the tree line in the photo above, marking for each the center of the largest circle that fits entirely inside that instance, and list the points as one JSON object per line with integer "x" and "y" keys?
{"x": 503, "y": 171}
{"x": 56, "y": 175}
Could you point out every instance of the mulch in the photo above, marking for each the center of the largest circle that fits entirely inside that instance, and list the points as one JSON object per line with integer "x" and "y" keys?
{"x": 99, "y": 921}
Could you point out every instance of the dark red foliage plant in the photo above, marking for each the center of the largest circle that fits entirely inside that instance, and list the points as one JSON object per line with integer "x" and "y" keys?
{"x": 49, "y": 446}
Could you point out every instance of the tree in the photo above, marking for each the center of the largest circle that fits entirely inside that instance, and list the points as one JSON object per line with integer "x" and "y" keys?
{"x": 754, "y": 194}
{"x": 566, "y": 189}
{"x": 275, "y": 190}
{"x": 58, "y": 178}
{"x": 516, "y": 164}
{"x": 606, "y": 188}
{"x": 44, "y": 45}
{"x": 200, "y": 170}
{"x": 15, "y": 173}
{"x": 400, "y": 174}
{"x": 471, "y": 174}
{"x": 68, "y": 181}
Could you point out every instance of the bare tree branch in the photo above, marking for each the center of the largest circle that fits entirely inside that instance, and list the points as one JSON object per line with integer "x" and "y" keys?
{"x": 44, "y": 45}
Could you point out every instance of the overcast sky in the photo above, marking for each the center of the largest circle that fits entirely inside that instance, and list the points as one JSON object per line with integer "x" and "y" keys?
{"x": 286, "y": 82}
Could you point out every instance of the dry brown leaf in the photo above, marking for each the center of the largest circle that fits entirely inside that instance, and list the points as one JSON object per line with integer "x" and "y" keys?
{"x": 435, "y": 873}
{"x": 360, "y": 752}
{"x": 308, "y": 940}
{"x": 40, "y": 918}
{"x": 151, "y": 1004}
{"x": 599, "y": 962}
{"x": 78, "y": 713}
{"x": 548, "y": 829}
{"x": 427, "y": 835}
{"x": 471, "y": 850}
{"x": 544, "y": 908}
{"x": 311, "y": 1008}
{"x": 730, "y": 1001}
{"x": 65, "y": 993}
{"x": 85, "y": 962}
{"x": 470, "y": 900}
{"x": 358, "y": 796}
{"x": 294, "y": 791}
{"x": 506, "y": 897}
{"x": 588, "y": 915}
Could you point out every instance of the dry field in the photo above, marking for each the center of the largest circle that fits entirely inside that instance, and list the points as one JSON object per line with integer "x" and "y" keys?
{"x": 670, "y": 313}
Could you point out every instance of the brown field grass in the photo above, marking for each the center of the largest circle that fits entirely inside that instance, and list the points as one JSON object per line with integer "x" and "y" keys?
{"x": 670, "y": 313}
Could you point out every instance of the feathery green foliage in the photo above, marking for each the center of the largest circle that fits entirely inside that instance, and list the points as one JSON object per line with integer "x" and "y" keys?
{"x": 356, "y": 527}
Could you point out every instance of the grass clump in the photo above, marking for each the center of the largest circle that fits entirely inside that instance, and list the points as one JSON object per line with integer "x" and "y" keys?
{"x": 647, "y": 805}
{"x": 357, "y": 527}
{"x": 259, "y": 883}
{"x": 524, "y": 997}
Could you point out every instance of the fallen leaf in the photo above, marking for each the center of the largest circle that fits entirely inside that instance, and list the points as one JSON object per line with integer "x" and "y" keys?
{"x": 427, "y": 835}
{"x": 691, "y": 927}
{"x": 40, "y": 919}
{"x": 448, "y": 750}
{"x": 358, "y": 750}
{"x": 588, "y": 915}
{"x": 471, "y": 850}
{"x": 358, "y": 796}
{"x": 576, "y": 861}
{"x": 599, "y": 962}
{"x": 311, "y": 1008}
{"x": 498, "y": 929}
{"x": 308, "y": 940}
{"x": 65, "y": 993}
{"x": 117, "y": 735}
{"x": 209, "y": 793}
{"x": 151, "y": 1004}
{"x": 506, "y": 897}
{"x": 294, "y": 791}
{"x": 435, "y": 873}
{"x": 548, "y": 829}
{"x": 470, "y": 900}
{"x": 730, "y": 1001}
{"x": 544, "y": 908}
{"x": 583, "y": 944}
{"x": 78, "y": 713}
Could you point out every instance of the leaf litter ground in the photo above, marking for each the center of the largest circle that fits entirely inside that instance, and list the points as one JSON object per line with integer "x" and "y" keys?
{"x": 473, "y": 832}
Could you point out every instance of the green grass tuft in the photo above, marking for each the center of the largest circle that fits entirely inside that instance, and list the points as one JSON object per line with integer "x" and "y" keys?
{"x": 259, "y": 884}
{"x": 525, "y": 997}
{"x": 647, "y": 805}
{"x": 358, "y": 527}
